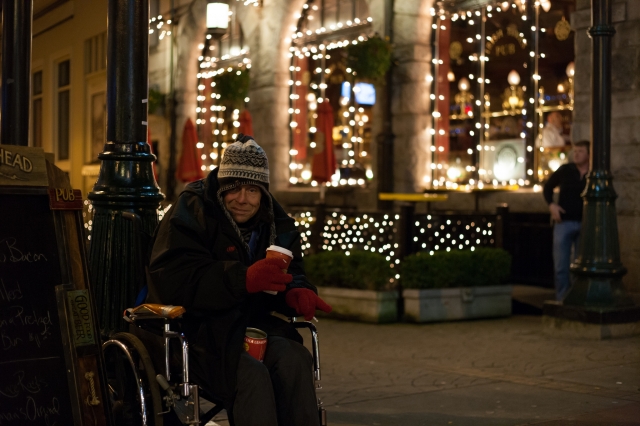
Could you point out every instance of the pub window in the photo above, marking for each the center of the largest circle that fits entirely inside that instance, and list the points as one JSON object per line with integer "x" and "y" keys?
{"x": 98, "y": 124}
{"x": 503, "y": 83}
{"x": 95, "y": 53}
{"x": 62, "y": 109}
{"x": 36, "y": 109}
{"x": 223, "y": 83}
{"x": 330, "y": 108}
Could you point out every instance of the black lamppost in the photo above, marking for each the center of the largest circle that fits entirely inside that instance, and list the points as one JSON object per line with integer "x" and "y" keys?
{"x": 126, "y": 183}
{"x": 16, "y": 71}
{"x": 597, "y": 296}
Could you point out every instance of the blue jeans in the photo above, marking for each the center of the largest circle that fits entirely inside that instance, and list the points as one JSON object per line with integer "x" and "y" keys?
{"x": 566, "y": 238}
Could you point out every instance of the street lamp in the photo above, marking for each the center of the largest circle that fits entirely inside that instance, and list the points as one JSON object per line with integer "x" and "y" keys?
{"x": 217, "y": 17}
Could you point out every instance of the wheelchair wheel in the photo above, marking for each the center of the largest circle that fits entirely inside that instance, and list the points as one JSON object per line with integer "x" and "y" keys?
{"x": 134, "y": 391}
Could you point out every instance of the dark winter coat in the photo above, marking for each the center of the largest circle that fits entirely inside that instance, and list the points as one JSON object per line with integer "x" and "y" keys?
{"x": 200, "y": 262}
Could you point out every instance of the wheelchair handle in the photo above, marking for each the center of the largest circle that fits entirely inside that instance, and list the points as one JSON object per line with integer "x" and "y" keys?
{"x": 315, "y": 345}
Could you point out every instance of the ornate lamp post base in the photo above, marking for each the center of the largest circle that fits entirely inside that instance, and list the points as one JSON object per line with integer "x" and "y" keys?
{"x": 597, "y": 306}
{"x": 126, "y": 189}
{"x": 590, "y": 322}
{"x": 126, "y": 196}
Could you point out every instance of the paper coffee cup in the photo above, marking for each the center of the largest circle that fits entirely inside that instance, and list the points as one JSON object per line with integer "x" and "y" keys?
{"x": 255, "y": 342}
{"x": 280, "y": 253}
{"x": 276, "y": 252}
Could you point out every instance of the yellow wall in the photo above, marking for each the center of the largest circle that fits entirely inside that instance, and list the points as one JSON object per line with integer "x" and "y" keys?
{"x": 60, "y": 34}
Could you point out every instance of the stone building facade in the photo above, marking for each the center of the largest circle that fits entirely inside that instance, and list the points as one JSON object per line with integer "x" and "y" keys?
{"x": 404, "y": 109}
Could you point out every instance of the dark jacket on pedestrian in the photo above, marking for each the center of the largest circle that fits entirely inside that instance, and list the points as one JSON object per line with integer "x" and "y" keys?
{"x": 571, "y": 184}
{"x": 199, "y": 260}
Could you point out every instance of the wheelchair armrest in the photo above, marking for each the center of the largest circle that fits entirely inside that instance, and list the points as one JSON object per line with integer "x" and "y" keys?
{"x": 153, "y": 311}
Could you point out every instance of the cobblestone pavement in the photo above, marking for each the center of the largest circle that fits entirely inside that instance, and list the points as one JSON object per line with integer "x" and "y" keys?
{"x": 490, "y": 372}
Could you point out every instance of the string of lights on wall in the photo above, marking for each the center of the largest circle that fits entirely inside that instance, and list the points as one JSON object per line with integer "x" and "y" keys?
{"x": 161, "y": 26}
{"x": 318, "y": 45}
{"x": 377, "y": 232}
{"x": 211, "y": 116}
{"x": 218, "y": 116}
{"x": 452, "y": 232}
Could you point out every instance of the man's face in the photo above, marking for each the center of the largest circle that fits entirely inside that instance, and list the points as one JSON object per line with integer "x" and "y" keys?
{"x": 580, "y": 155}
{"x": 556, "y": 119}
{"x": 242, "y": 202}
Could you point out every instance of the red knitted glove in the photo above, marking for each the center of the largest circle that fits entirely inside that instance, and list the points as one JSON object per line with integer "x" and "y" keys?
{"x": 305, "y": 302}
{"x": 266, "y": 274}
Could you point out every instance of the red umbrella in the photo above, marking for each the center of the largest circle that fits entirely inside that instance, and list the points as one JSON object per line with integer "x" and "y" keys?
{"x": 246, "y": 127}
{"x": 324, "y": 163}
{"x": 190, "y": 165}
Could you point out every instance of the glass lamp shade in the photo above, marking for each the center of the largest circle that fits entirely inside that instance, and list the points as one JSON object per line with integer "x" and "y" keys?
{"x": 463, "y": 84}
{"x": 451, "y": 76}
{"x": 513, "y": 78}
{"x": 217, "y": 17}
{"x": 571, "y": 69}
{"x": 546, "y": 5}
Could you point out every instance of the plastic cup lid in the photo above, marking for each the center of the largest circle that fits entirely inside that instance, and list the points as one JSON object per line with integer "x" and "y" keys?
{"x": 281, "y": 250}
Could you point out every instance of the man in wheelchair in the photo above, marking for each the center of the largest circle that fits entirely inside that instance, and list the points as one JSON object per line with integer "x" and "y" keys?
{"x": 209, "y": 257}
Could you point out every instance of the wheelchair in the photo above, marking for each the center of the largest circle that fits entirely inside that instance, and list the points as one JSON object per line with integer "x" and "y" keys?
{"x": 148, "y": 371}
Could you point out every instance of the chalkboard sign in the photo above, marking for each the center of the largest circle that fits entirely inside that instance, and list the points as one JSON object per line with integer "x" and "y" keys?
{"x": 50, "y": 359}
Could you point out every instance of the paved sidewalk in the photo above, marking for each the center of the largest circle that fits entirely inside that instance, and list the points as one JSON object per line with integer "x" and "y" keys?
{"x": 490, "y": 372}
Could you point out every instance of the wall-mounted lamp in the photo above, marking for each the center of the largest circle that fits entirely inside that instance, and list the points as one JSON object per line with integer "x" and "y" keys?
{"x": 571, "y": 69}
{"x": 217, "y": 18}
{"x": 546, "y": 5}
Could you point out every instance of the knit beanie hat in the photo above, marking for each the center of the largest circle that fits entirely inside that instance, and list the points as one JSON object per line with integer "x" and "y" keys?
{"x": 244, "y": 163}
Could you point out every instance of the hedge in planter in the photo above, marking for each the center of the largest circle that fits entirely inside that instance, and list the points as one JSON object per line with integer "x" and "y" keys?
{"x": 357, "y": 286}
{"x": 457, "y": 268}
{"x": 459, "y": 284}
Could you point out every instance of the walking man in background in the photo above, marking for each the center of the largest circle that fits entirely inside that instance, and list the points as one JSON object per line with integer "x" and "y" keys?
{"x": 567, "y": 213}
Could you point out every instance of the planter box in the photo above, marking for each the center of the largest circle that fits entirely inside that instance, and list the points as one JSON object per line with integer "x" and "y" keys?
{"x": 361, "y": 305}
{"x": 449, "y": 304}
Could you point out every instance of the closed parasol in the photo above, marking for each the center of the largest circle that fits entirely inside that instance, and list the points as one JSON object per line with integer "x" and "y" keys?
{"x": 246, "y": 126}
{"x": 190, "y": 165}
{"x": 324, "y": 162}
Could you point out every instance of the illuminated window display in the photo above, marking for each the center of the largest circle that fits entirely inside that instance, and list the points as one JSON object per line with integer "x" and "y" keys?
{"x": 223, "y": 84}
{"x": 503, "y": 94}
{"x": 330, "y": 105}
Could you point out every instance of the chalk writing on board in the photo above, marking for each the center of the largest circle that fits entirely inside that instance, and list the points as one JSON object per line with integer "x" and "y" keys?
{"x": 22, "y": 385}
{"x": 16, "y": 318}
{"x": 10, "y": 251}
{"x": 10, "y": 293}
{"x": 33, "y": 411}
